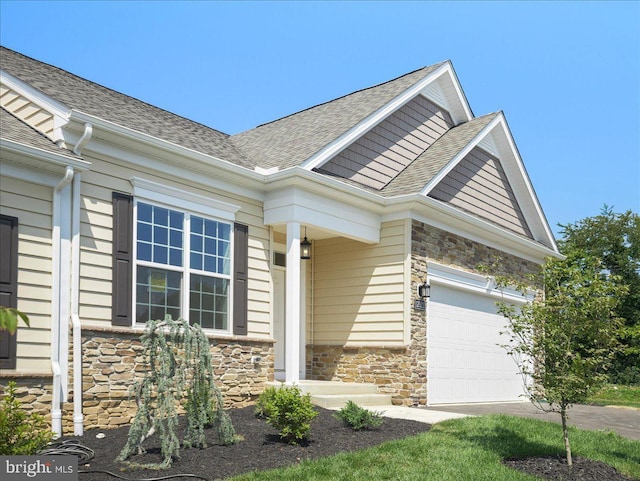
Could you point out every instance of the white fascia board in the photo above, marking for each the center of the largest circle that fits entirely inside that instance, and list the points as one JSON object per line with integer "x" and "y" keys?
{"x": 471, "y": 282}
{"x": 245, "y": 182}
{"x": 29, "y": 174}
{"x": 378, "y": 116}
{"x": 59, "y": 111}
{"x": 515, "y": 171}
{"x": 152, "y": 141}
{"x": 43, "y": 155}
{"x": 294, "y": 204}
{"x": 519, "y": 178}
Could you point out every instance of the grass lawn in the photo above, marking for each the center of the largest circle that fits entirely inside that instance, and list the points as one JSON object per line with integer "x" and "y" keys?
{"x": 617, "y": 395}
{"x": 464, "y": 449}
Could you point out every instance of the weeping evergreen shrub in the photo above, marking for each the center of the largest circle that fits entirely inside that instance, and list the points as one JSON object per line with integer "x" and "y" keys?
{"x": 178, "y": 366}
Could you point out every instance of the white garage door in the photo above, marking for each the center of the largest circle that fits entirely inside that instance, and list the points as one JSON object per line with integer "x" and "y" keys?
{"x": 464, "y": 360}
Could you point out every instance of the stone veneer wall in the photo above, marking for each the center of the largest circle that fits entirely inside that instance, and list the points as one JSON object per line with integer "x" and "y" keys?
{"x": 113, "y": 360}
{"x": 402, "y": 371}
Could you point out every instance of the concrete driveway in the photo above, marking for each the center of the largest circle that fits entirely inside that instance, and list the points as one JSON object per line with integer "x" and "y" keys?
{"x": 624, "y": 421}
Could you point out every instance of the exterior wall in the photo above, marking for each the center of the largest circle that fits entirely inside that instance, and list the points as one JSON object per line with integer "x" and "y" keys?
{"x": 26, "y": 110}
{"x": 401, "y": 370}
{"x": 479, "y": 185}
{"x": 32, "y": 205}
{"x": 358, "y": 290}
{"x": 383, "y": 152}
{"x": 114, "y": 359}
{"x": 108, "y": 175}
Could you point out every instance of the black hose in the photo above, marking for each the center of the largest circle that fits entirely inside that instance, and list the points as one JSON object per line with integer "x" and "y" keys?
{"x": 72, "y": 447}
{"x": 172, "y": 476}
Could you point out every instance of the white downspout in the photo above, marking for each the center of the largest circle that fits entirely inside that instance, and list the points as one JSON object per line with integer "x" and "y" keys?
{"x": 58, "y": 303}
{"x": 78, "y": 417}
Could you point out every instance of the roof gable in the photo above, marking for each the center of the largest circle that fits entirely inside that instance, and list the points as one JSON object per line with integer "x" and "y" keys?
{"x": 479, "y": 185}
{"x": 526, "y": 216}
{"x": 383, "y": 152}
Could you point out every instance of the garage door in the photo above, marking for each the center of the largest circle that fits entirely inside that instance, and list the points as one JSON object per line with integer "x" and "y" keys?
{"x": 464, "y": 360}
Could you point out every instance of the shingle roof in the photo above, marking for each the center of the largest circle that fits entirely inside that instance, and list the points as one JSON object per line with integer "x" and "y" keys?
{"x": 428, "y": 164}
{"x": 291, "y": 140}
{"x": 12, "y": 128}
{"x": 91, "y": 98}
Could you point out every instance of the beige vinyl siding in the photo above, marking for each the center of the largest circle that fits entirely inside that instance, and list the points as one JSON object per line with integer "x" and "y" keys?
{"x": 32, "y": 205}
{"x": 383, "y": 152}
{"x": 479, "y": 185}
{"x": 26, "y": 110}
{"x": 359, "y": 296}
{"x": 108, "y": 175}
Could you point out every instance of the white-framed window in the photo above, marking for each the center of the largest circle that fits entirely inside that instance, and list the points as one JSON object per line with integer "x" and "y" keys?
{"x": 183, "y": 257}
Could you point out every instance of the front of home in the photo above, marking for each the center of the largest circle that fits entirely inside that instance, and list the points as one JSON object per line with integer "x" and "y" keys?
{"x": 114, "y": 212}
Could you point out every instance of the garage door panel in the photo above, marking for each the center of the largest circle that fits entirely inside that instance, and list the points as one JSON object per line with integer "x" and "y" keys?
{"x": 465, "y": 362}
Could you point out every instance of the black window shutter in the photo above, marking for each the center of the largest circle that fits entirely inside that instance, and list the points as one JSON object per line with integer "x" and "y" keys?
{"x": 8, "y": 285}
{"x": 241, "y": 268}
{"x": 122, "y": 259}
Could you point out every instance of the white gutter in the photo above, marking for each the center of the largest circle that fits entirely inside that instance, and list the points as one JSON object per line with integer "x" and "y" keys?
{"x": 78, "y": 418}
{"x": 59, "y": 303}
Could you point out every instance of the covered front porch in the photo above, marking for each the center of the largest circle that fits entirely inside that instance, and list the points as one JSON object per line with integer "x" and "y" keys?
{"x": 342, "y": 314}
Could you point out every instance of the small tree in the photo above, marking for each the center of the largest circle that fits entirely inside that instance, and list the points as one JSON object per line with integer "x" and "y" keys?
{"x": 565, "y": 339}
{"x": 178, "y": 365}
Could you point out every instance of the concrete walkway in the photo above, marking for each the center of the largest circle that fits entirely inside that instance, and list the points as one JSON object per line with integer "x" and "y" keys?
{"x": 624, "y": 421}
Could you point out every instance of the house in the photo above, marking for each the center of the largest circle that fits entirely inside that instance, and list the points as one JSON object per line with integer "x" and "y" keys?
{"x": 114, "y": 211}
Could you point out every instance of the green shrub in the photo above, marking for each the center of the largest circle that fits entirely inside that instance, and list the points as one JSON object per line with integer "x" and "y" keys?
{"x": 359, "y": 418}
{"x": 290, "y": 412}
{"x": 21, "y": 433}
{"x": 264, "y": 401}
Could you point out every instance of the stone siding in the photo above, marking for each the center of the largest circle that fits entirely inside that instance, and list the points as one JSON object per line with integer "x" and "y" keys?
{"x": 113, "y": 360}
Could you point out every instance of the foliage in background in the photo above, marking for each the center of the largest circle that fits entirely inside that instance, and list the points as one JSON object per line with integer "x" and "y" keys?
{"x": 616, "y": 395}
{"x": 615, "y": 240}
{"x": 9, "y": 319}
{"x": 359, "y": 418}
{"x": 21, "y": 433}
{"x": 289, "y": 411}
{"x": 564, "y": 341}
{"x": 178, "y": 361}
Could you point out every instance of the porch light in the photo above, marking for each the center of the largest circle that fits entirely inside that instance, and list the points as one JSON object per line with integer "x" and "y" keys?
{"x": 424, "y": 290}
{"x": 305, "y": 247}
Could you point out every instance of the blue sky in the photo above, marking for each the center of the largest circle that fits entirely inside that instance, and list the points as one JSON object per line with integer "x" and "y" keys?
{"x": 566, "y": 74}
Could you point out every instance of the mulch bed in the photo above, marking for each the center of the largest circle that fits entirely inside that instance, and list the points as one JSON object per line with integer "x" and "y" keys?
{"x": 555, "y": 468}
{"x": 261, "y": 449}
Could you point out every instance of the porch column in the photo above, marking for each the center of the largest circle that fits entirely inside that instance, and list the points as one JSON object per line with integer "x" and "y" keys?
{"x": 292, "y": 305}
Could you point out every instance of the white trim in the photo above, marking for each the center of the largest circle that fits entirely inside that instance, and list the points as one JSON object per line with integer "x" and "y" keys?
{"x": 518, "y": 177}
{"x": 470, "y": 282}
{"x": 29, "y": 175}
{"x": 43, "y": 155}
{"x": 292, "y": 305}
{"x": 407, "y": 280}
{"x": 57, "y": 109}
{"x": 458, "y": 158}
{"x": 179, "y": 198}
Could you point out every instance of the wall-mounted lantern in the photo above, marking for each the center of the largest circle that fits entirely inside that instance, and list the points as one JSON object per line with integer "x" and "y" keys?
{"x": 424, "y": 290}
{"x": 305, "y": 247}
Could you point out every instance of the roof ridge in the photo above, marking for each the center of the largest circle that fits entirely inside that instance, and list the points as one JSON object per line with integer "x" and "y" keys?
{"x": 349, "y": 94}
{"x": 66, "y": 72}
{"x": 36, "y": 131}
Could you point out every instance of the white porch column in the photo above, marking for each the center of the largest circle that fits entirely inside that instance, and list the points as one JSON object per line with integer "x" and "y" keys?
{"x": 292, "y": 305}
